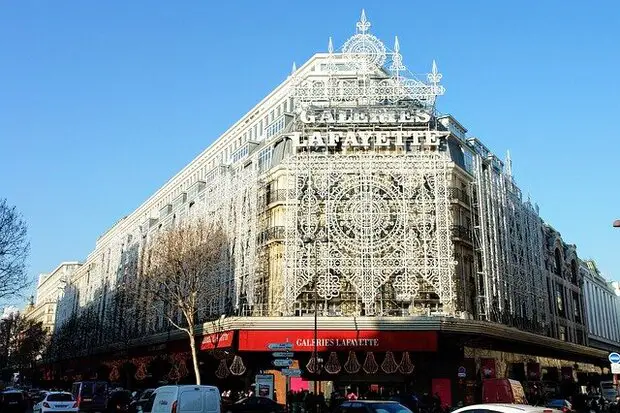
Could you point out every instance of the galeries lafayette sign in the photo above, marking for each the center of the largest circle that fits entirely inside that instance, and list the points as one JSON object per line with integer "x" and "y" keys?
{"x": 365, "y": 116}
{"x": 217, "y": 340}
{"x": 368, "y": 139}
{"x": 334, "y": 340}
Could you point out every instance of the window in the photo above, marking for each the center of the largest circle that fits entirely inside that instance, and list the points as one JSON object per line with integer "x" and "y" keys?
{"x": 558, "y": 262}
{"x": 60, "y": 397}
{"x": 388, "y": 408}
{"x": 576, "y": 307}
{"x": 264, "y": 159}
{"x": 9, "y": 397}
{"x": 559, "y": 299}
{"x": 354, "y": 408}
{"x": 190, "y": 400}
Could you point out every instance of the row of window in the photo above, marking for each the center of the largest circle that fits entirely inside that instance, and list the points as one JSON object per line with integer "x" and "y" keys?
{"x": 604, "y": 312}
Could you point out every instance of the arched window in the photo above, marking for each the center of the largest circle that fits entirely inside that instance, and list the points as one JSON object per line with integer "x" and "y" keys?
{"x": 558, "y": 262}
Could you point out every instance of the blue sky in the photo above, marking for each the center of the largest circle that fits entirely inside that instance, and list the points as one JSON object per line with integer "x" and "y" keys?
{"x": 102, "y": 102}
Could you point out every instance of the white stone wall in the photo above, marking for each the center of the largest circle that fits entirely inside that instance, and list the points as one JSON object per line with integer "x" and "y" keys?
{"x": 50, "y": 290}
{"x": 602, "y": 306}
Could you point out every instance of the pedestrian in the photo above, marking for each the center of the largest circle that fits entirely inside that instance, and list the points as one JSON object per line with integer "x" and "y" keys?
{"x": 351, "y": 395}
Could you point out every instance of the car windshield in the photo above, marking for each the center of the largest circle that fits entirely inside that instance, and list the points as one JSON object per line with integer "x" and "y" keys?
{"x": 12, "y": 397}
{"x": 60, "y": 397}
{"x": 389, "y": 408}
{"x": 121, "y": 396}
{"x": 87, "y": 390}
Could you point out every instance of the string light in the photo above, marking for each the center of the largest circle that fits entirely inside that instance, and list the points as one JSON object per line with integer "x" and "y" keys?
{"x": 222, "y": 370}
{"x": 352, "y": 366}
{"x": 237, "y": 367}
{"x": 370, "y": 364}
{"x": 333, "y": 364}
{"x": 389, "y": 365}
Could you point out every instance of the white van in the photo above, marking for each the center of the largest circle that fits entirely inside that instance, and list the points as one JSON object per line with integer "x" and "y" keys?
{"x": 187, "y": 399}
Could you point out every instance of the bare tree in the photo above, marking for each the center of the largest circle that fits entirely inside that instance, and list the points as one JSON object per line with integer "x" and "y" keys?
{"x": 181, "y": 265}
{"x": 14, "y": 248}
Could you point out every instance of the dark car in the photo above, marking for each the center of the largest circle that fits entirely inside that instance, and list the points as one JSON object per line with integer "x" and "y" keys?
{"x": 254, "y": 404}
{"x": 370, "y": 406}
{"x": 90, "y": 395}
{"x": 144, "y": 402}
{"x": 560, "y": 404}
{"x": 119, "y": 401}
{"x": 13, "y": 401}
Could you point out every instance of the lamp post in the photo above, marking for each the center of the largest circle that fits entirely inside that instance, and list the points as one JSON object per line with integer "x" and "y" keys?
{"x": 311, "y": 240}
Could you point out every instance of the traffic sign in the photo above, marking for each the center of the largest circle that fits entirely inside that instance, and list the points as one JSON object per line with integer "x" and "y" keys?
{"x": 462, "y": 372}
{"x": 282, "y": 362}
{"x": 291, "y": 372}
{"x": 614, "y": 358}
{"x": 280, "y": 346}
{"x": 615, "y": 368}
{"x": 282, "y": 354}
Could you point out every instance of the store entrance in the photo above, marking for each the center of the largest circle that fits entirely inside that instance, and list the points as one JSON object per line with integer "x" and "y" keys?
{"x": 373, "y": 387}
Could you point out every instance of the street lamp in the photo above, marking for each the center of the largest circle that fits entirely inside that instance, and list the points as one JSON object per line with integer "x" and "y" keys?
{"x": 617, "y": 223}
{"x": 308, "y": 239}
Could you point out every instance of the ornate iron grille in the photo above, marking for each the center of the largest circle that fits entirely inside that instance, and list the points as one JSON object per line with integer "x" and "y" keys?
{"x": 374, "y": 224}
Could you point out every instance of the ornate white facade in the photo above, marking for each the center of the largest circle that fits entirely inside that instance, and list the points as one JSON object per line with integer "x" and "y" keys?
{"x": 344, "y": 192}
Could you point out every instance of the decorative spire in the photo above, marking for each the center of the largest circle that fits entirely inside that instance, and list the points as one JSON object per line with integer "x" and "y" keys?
{"x": 397, "y": 60}
{"x": 434, "y": 77}
{"x": 330, "y": 46}
{"x": 294, "y": 69}
{"x": 508, "y": 164}
{"x": 363, "y": 25}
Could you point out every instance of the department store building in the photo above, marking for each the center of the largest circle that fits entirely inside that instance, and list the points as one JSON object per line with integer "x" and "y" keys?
{"x": 364, "y": 225}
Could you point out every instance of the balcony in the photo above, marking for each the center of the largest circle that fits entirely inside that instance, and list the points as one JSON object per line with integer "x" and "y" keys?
{"x": 462, "y": 233}
{"x": 278, "y": 195}
{"x": 271, "y": 234}
{"x": 458, "y": 194}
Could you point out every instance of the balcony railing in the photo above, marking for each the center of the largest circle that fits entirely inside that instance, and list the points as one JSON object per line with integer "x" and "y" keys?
{"x": 459, "y": 195}
{"x": 271, "y": 234}
{"x": 277, "y": 195}
{"x": 461, "y": 232}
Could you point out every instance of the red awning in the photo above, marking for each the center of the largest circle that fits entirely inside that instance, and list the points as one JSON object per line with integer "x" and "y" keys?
{"x": 217, "y": 340}
{"x": 334, "y": 340}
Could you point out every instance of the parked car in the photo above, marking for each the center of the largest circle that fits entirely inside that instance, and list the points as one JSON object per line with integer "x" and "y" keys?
{"x": 560, "y": 404}
{"x": 143, "y": 402}
{"x": 503, "y": 391}
{"x": 56, "y": 402}
{"x": 371, "y": 406}
{"x": 185, "y": 399}
{"x": 13, "y": 401}
{"x": 91, "y": 396}
{"x": 119, "y": 401}
{"x": 505, "y": 408}
{"x": 254, "y": 404}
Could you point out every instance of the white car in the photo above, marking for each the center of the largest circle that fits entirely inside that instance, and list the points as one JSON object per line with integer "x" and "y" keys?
{"x": 56, "y": 402}
{"x": 505, "y": 408}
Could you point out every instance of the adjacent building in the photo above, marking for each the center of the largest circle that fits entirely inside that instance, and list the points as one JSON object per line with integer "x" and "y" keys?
{"x": 363, "y": 225}
{"x": 50, "y": 290}
{"x": 603, "y": 308}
